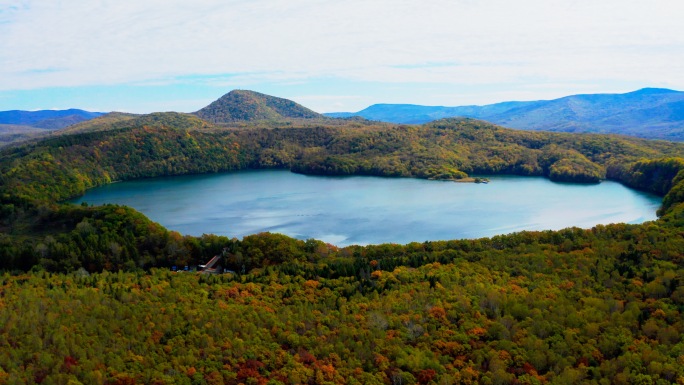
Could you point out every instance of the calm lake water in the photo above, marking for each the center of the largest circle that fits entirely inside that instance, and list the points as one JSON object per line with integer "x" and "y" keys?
{"x": 369, "y": 210}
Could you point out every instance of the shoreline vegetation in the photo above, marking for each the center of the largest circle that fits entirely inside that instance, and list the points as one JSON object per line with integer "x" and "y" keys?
{"x": 466, "y": 179}
{"x": 472, "y": 180}
{"x": 597, "y": 306}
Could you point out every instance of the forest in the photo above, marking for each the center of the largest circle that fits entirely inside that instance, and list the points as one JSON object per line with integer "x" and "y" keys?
{"x": 87, "y": 294}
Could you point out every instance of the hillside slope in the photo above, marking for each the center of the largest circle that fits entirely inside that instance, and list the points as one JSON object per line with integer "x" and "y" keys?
{"x": 101, "y": 123}
{"x": 10, "y": 133}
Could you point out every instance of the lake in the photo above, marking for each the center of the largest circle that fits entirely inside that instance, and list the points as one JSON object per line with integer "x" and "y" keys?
{"x": 369, "y": 210}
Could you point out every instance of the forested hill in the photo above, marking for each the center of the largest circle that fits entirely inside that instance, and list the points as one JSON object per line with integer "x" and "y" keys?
{"x": 243, "y": 105}
{"x": 105, "y": 122}
{"x": 171, "y": 144}
{"x": 597, "y": 306}
{"x": 648, "y": 113}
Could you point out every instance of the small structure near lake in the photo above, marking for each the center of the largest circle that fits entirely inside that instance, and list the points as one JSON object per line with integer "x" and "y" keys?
{"x": 214, "y": 265}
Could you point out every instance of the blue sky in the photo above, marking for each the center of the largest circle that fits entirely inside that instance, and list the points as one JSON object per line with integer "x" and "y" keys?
{"x": 163, "y": 55}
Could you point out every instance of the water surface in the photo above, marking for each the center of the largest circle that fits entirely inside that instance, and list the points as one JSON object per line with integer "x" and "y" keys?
{"x": 370, "y": 210}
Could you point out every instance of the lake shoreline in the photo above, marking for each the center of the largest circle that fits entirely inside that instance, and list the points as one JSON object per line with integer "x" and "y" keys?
{"x": 371, "y": 210}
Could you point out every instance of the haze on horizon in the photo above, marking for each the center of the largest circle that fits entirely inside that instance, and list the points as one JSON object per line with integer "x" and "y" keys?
{"x": 331, "y": 56}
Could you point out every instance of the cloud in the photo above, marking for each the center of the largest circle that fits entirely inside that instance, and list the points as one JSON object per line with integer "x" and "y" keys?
{"x": 85, "y": 42}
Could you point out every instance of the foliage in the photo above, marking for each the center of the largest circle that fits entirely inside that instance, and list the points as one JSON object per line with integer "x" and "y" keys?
{"x": 596, "y": 306}
{"x": 593, "y": 306}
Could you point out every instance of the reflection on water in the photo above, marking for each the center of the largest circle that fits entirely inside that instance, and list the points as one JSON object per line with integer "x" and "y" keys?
{"x": 367, "y": 210}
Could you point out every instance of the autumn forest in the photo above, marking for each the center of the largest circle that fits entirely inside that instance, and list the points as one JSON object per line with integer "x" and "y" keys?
{"x": 87, "y": 294}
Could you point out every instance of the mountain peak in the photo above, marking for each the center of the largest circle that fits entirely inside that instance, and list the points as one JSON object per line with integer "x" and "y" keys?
{"x": 245, "y": 105}
{"x": 650, "y": 90}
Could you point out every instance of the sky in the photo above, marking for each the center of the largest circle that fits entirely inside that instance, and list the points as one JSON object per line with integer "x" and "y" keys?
{"x": 170, "y": 55}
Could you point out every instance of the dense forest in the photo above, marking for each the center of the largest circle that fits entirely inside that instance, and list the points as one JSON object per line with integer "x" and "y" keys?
{"x": 88, "y": 297}
{"x": 593, "y": 306}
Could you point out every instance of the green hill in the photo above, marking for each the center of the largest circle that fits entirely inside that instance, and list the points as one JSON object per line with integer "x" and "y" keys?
{"x": 242, "y": 105}
{"x": 101, "y": 123}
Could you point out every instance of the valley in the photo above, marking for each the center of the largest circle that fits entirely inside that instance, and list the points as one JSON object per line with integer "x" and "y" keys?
{"x": 597, "y": 305}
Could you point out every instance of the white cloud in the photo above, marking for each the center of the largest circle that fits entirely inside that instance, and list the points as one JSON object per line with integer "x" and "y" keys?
{"x": 86, "y": 42}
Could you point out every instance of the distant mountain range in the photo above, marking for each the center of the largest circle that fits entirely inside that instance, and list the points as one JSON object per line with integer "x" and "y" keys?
{"x": 654, "y": 113}
{"x": 47, "y": 119}
{"x": 17, "y": 125}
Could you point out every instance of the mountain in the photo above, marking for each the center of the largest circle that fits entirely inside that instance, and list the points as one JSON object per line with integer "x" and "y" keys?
{"x": 243, "y": 105}
{"x": 18, "y": 125}
{"x": 653, "y": 113}
{"x": 47, "y": 119}
{"x": 417, "y": 114}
